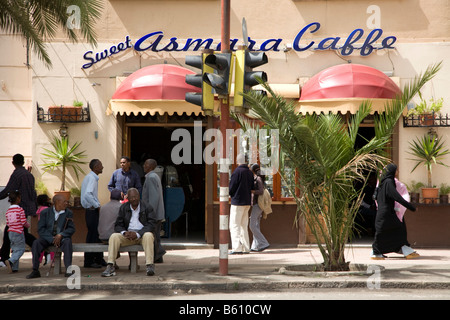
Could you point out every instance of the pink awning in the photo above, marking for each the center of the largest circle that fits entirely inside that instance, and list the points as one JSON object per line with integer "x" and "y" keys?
{"x": 154, "y": 89}
{"x": 349, "y": 81}
{"x": 156, "y": 82}
{"x": 343, "y": 88}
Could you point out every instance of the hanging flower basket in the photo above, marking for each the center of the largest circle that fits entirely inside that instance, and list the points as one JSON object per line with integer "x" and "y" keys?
{"x": 65, "y": 113}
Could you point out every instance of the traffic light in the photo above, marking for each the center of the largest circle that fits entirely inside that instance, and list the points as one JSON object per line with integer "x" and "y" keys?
{"x": 220, "y": 79}
{"x": 245, "y": 77}
{"x": 205, "y": 98}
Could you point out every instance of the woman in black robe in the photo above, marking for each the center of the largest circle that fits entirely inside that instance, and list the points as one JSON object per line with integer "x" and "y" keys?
{"x": 390, "y": 232}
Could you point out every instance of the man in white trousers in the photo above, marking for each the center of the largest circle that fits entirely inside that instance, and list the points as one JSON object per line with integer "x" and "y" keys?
{"x": 240, "y": 190}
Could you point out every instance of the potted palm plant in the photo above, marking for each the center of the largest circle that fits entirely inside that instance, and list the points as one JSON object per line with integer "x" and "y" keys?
{"x": 428, "y": 150}
{"x": 63, "y": 156}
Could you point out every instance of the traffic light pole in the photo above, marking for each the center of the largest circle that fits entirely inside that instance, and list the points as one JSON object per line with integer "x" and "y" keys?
{"x": 224, "y": 163}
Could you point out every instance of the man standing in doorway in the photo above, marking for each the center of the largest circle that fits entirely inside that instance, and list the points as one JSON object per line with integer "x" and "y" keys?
{"x": 23, "y": 181}
{"x": 240, "y": 189}
{"x": 90, "y": 202}
{"x": 152, "y": 195}
{"x": 125, "y": 178}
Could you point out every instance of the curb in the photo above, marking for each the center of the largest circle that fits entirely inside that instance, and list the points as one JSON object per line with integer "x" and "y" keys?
{"x": 230, "y": 286}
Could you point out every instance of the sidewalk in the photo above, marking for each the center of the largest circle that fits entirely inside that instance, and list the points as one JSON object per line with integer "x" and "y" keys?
{"x": 196, "y": 268}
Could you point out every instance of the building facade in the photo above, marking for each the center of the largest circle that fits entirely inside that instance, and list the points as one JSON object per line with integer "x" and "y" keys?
{"x": 301, "y": 39}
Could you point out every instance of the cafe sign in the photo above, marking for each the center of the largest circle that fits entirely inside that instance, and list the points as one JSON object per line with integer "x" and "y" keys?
{"x": 357, "y": 41}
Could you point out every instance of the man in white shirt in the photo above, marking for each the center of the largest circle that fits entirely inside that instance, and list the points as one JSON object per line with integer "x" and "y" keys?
{"x": 90, "y": 202}
{"x": 134, "y": 225}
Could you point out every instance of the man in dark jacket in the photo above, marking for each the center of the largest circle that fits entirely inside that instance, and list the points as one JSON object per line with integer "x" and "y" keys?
{"x": 23, "y": 181}
{"x": 240, "y": 190}
{"x": 55, "y": 227}
{"x": 134, "y": 225}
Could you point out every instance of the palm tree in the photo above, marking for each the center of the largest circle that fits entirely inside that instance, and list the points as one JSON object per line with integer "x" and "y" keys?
{"x": 63, "y": 156}
{"x": 322, "y": 149}
{"x": 38, "y": 21}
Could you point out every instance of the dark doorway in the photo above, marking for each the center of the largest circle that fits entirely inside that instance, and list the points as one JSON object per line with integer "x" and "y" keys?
{"x": 365, "y": 219}
{"x": 155, "y": 142}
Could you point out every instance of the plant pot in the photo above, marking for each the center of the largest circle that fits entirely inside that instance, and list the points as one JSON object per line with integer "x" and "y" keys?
{"x": 415, "y": 197}
{"x": 65, "y": 113}
{"x": 443, "y": 198}
{"x": 430, "y": 195}
{"x": 77, "y": 201}
{"x": 427, "y": 119}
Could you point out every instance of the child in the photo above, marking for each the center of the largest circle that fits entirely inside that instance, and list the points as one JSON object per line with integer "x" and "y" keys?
{"x": 43, "y": 202}
{"x": 16, "y": 221}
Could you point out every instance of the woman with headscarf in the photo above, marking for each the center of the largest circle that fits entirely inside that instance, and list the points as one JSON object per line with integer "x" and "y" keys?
{"x": 390, "y": 231}
{"x": 259, "y": 242}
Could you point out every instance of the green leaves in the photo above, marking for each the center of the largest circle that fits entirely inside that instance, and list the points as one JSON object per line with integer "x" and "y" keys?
{"x": 322, "y": 149}
{"x": 39, "y": 20}
{"x": 427, "y": 150}
{"x": 63, "y": 156}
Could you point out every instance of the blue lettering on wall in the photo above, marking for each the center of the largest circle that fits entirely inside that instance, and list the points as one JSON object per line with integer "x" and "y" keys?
{"x": 105, "y": 53}
{"x": 153, "y": 41}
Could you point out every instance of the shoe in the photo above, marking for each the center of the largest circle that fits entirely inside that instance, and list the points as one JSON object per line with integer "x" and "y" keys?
{"x": 93, "y": 265}
{"x": 262, "y": 249}
{"x": 377, "y": 257}
{"x": 412, "y": 255}
{"x": 68, "y": 274}
{"x": 2, "y": 264}
{"x": 110, "y": 271}
{"x": 150, "y": 269}
{"x": 34, "y": 274}
{"x": 9, "y": 266}
{"x": 235, "y": 252}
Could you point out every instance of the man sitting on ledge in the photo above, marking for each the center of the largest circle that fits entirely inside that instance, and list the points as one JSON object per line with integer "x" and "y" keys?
{"x": 55, "y": 227}
{"x": 134, "y": 225}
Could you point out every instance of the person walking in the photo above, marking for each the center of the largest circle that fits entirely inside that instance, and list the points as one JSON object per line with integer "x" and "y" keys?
{"x": 91, "y": 204}
{"x": 55, "y": 227}
{"x": 23, "y": 181}
{"x": 152, "y": 195}
{"x": 16, "y": 222}
{"x": 259, "y": 242}
{"x": 240, "y": 190}
{"x": 134, "y": 225}
{"x": 125, "y": 178}
{"x": 390, "y": 231}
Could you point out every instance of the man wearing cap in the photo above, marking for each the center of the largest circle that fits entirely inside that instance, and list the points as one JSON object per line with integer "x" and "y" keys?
{"x": 240, "y": 190}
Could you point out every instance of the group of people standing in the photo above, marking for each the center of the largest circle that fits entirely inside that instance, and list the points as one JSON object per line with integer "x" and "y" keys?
{"x": 137, "y": 221}
{"x": 246, "y": 185}
{"x": 133, "y": 216}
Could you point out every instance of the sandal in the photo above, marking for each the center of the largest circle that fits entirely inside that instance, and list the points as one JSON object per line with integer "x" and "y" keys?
{"x": 412, "y": 255}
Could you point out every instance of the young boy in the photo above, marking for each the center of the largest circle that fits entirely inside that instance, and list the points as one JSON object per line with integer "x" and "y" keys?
{"x": 16, "y": 221}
